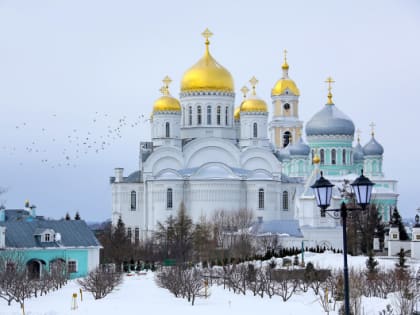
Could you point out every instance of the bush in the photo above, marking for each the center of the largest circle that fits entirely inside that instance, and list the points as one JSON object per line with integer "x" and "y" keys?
{"x": 100, "y": 282}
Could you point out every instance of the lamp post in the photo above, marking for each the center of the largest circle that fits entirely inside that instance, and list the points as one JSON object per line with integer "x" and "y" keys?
{"x": 362, "y": 188}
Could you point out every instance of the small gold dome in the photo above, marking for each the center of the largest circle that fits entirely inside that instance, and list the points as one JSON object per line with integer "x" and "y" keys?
{"x": 237, "y": 113}
{"x": 207, "y": 74}
{"x": 253, "y": 103}
{"x": 166, "y": 102}
{"x": 282, "y": 85}
{"x": 316, "y": 159}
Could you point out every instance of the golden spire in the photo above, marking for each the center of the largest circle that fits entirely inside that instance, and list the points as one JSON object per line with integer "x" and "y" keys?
{"x": 330, "y": 81}
{"x": 372, "y": 128}
{"x": 207, "y": 34}
{"x": 253, "y": 82}
{"x": 358, "y": 131}
{"x": 285, "y": 65}
{"x": 244, "y": 91}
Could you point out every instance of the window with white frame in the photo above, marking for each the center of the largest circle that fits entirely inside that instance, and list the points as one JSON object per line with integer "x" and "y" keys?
{"x": 136, "y": 235}
{"x": 133, "y": 203}
{"x": 255, "y": 130}
{"x": 285, "y": 200}
{"x": 47, "y": 237}
{"x": 72, "y": 266}
{"x": 169, "y": 198}
{"x": 333, "y": 156}
{"x": 209, "y": 115}
{"x": 199, "y": 115}
{"x": 344, "y": 157}
{"x": 190, "y": 115}
{"x": 167, "y": 130}
{"x": 129, "y": 233}
{"x": 218, "y": 112}
{"x": 227, "y": 115}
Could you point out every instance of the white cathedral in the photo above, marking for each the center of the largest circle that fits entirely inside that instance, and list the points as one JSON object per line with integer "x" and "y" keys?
{"x": 211, "y": 155}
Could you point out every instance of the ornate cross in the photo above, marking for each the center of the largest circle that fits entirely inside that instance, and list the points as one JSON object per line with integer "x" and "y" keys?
{"x": 372, "y": 127}
{"x": 253, "y": 82}
{"x": 329, "y": 81}
{"x": 207, "y": 34}
{"x": 358, "y": 131}
{"x": 167, "y": 80}
{"x": 244, "y": 90}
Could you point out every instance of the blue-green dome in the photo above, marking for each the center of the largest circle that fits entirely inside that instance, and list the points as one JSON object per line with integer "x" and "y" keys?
{"x": 373, "y": 147}
{"x": 299, "y": 148}
{"x": 330, "y": 121}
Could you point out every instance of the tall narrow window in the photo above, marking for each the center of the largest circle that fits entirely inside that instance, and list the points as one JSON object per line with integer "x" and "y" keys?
{"x": 344, "y": 157}
{"x": 322, "y": 156}
{"x": 218, "y": 115}
{"x": 285, "y": 200}
{"x": 190, "y": 115}
{"x": 255, "y": 130}
{"x": 312, "y": 156}
{"x": 136, "y": 235}
{"x": 226, "y": 115}
{"x": 261, "y": 198}
{"x": 287, "y": 137}
{"x": 209, "y": 115}
{"x": 169, "y": 198}
{"x": 133, "y": 200}
{"x": 167, "y": 130}
{"x": 129, "y": 233}
{"x": 333, "y": 156}
{"x": 199, "y": 115}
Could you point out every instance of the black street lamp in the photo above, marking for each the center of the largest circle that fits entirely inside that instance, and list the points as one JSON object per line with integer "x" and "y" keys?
{"x": 362, "y": 188}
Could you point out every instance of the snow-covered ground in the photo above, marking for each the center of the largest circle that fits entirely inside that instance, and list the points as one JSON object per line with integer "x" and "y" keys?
{"x": 139, "y": 295}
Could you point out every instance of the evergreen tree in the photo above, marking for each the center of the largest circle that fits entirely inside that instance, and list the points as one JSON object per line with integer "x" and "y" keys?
{"x": 77, "y": 216}
{"x": 401, "y": 260}
{"x": 67, "y": 218}
{"x": 372, "y": 266}
{"x": 396, "y": 220}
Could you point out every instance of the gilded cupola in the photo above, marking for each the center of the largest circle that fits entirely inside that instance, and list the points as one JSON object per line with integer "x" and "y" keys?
{"x": 166, "y": 102}
{"x": 253, "y": 103}
{"x": 285, "y": 83}
{"x": 207, "y": 74}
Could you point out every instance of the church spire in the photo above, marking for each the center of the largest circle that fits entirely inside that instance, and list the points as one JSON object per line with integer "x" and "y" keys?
{"x": 285, "y": 65}
{"x": 329, "y": 80}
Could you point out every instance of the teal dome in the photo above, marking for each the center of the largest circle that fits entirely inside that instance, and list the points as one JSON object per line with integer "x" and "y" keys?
{"x": 330, "y": 121}
{"x": 373, "y": 147}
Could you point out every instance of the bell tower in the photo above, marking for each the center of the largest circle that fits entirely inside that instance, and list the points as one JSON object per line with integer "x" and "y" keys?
{"x": 285, "y": 124}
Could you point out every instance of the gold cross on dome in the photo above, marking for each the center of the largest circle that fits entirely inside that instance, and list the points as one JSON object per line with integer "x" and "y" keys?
{"x": 285, "y": 55}
{"x": 253, "y": 82}
{"x": 244, "y": 90}
{"x": 372, "y": 127}
{"x": 329, "y": 81}
{"x": 207, "y": 34}
{"x": 167, "y": 80}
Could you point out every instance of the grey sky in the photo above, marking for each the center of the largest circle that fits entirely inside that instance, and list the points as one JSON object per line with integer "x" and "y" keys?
{"x": 73, "y": 69}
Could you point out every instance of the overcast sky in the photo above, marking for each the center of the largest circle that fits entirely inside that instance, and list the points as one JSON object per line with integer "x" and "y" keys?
{"x": 76, "y": 77}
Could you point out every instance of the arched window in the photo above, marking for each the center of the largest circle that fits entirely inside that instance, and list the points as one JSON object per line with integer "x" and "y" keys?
{"x": 129, "y": 233}
{"x": 333, "y": 156}
{"x": 287, "y": 137}
{"x": 255, "y": 130}
{"x": 169, "y": 199}
{"x": 227, "y": 115}
{"x": 261, "y": 198}
{"x": 285, "y": 200}
{"x": 218, "y": 115}
{"x": 322, "y": 156}
{"x": 190, "y": 115}
{"x": 208, "y": 115}
{"x": 133, "y": 200}
{"x": 344, "y": 157}
{"x": 167, "y": 130}
{"x": 136, "y": 235}
{"x": 199, "y": 115}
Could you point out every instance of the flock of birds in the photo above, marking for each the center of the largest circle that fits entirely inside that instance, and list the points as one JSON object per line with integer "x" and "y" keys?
{"x": 66, "y": 146}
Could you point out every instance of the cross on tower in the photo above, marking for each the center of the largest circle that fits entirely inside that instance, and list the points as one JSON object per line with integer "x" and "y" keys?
{"x": 207, "y": 34}
{"x": 253, "y": 82}
{"x": 167, "y": 80}
{"x": 372, "y": 127}
{"x": 358, "y": 131}
{"x": 244, "y": 90}
{"x": 329, "y": 81}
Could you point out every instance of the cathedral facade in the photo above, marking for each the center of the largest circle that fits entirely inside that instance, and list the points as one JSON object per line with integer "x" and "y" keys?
{"x": 212, "y": 152}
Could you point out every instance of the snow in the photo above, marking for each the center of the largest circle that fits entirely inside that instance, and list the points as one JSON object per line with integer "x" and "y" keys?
{"x": 139, "y": 294}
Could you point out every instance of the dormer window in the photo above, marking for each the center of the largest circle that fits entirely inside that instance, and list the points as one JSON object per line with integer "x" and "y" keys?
{"x": 47, "y": 237}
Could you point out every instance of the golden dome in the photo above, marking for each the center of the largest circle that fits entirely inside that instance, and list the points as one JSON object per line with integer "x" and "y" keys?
{"x": 285, "y": 83}
{"x": 166, "y": 102}
{"x": 207, "y": 74}
{"x": 253, "y": 103}
{"x": 237, "y": 113}
{"x": 316, "y": 159}
{"x": 282, "y": 85}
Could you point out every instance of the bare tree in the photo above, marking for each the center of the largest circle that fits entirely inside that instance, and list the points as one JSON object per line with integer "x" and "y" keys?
{"x": 100, "y": 282}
